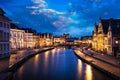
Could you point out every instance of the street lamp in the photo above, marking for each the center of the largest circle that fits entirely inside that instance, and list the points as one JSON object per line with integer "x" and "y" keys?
{"x": 116, "y": 42}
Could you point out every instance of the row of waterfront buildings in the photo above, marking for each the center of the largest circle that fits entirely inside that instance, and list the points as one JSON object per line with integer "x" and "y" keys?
{"x": 12, "y": 37}
{"x": 105, "y": 38}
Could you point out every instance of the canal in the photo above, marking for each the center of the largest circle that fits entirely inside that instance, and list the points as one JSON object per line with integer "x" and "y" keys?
{"x": 57, "y": 64}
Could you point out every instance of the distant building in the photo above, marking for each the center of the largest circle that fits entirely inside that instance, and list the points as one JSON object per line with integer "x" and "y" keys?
{"x": 58, "y": 40}
{"x": 4, "y": 34}
{"x": 86, "y": 39}
{"x": 36, "y": 39}
{"x": 66, "y": 35}
{"x": 70, "y": 41}
{"x": 46, "y": 39}
{"x": 28, "y": 38}
{"x": 16, "y": 37}
{"x": 106, "y": 36}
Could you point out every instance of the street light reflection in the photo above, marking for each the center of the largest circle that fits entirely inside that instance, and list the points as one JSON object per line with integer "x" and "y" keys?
{"x": 88, "y": 73}
{"x": 79, "y": 68}
{"x": 58, "y": 50}
{"x": 35, "y": 63}
{"x": 53, "y": 51}
{"x": 46, "y": 56}
{"x": 46, "y": 60}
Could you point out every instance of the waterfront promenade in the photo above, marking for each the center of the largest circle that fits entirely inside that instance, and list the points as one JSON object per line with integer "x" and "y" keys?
{"x": 15, "y": 57}
{"x": 105, "y": 64}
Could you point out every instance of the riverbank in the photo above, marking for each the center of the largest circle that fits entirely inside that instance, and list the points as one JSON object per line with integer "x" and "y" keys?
{"x": 108, "y": 69}
{"x": 8, "y": 74}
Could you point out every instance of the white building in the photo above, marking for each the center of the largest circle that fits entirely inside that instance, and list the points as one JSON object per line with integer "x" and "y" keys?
{"x": 17, "y": 38}
{"x": 4, "y": 34}
{"x": 28, "y": 40}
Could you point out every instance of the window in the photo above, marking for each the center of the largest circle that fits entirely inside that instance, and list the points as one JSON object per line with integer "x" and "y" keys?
{"x": 0, "y": 47}
{"x": 109, "y": 41}
{"x": 0, "y": 35}
{"x": 7, "y": 36}
{"x": 4, "y": 25}
{"x": 7, "y": 25}
{"x": 4, "y": 47}
{"x": 8, "y": 47}
{"x": 0, "y": 24}
{"x": 4, "y": 36}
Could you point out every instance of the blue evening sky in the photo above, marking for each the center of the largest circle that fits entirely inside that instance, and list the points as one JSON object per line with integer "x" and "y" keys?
{"x": 76, "y": 17}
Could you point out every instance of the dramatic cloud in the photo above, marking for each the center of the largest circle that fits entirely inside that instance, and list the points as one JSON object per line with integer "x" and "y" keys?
{"x": 38, "y": 4}
{"x": 76, "y": 17}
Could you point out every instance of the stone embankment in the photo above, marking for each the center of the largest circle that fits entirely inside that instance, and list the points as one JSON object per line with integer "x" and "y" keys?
{"x": 108, "y": 69}
{"x": 8, "y": 75}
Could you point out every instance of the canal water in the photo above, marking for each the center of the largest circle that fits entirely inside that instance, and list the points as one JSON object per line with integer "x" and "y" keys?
{"x": 57, "y": 64}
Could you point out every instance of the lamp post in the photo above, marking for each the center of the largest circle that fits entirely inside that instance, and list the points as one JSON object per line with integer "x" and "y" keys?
{"x": 116, "y": 41}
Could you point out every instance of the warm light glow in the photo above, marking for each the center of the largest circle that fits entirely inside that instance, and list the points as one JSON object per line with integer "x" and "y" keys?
{"x": 21, "y": 72}
{"x": 46, "y": 61}
{"x": 79, "y": 68}
{"x": 116, "y": 42}
{"x": 58, "y": 50}
{"x": 46, "y": 56}
{"x": 35, "y": 63}
{"x": 88, "y": 73}
{"x": 53, "y": 51}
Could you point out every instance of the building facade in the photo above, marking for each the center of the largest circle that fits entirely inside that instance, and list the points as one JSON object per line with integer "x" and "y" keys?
{"x": 4, "y": 34}
{"x": 28, "y": 40}
{"x": 106, "y": 36}
{"x": 36, "y": 39}
{"x": 46, "y": 39}
{"x": 16, "y": 38}
{"x": 58, "y": 40}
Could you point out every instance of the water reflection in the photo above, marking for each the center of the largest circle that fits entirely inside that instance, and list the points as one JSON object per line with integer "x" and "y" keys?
{"x": 20, "y": 72}
{"x": 58, "y": 50}
{"x": 36, "y": 63}
{"x": 88, "y": 73}
{"x": 53, "y": 51}
{"x": 57, "y": 64}
{"x": 79, "y": 69}
{"x": 46, "y": 56}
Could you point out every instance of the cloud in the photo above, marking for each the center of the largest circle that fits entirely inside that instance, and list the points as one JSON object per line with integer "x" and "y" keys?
{"x": 48, "y": 12}
{"x": 38, "y": 4}
{"x": 63, "y": 21}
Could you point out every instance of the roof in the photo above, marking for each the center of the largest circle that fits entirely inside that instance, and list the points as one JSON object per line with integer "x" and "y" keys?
{"x": 115, "y": 31}
{"x": 107, "y": 22}
{"x": 29, "y": 30}
{"x": 13, "y": 26}
{"x": 1, "y": 10}
{"x": 45, "y": 35}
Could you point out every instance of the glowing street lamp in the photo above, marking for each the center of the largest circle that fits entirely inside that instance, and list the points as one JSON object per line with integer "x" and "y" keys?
{"x": 116, "y": 41}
